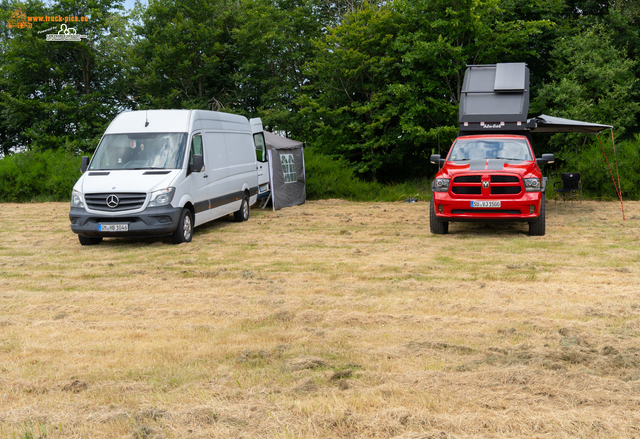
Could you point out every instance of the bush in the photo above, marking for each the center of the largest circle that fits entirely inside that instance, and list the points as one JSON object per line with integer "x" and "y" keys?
{"x": 330, "y": 178}
{"x": 38, "y": 176}
{"x": 596, "y": 179}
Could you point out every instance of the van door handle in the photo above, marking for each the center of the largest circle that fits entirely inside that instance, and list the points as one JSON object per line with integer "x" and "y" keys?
{"x": 205, "y": 176}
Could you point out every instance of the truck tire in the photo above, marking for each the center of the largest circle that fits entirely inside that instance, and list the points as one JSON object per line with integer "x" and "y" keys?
{"x": 243, "y": 213}
{"x": 537, "y": 227}
{"x": 438, "y": 227}
{"x": 184, "y": 231}
{"x": 89, "y": 240}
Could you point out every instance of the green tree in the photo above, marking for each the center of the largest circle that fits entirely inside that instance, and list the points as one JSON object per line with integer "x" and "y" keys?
{"x": 591, "y": 80}
{"x": 183, "y": 55}
{"x": 385, "y": 82}
{"x": 59, "y": 94}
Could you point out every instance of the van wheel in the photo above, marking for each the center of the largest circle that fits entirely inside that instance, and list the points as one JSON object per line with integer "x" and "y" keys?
{"x": 243, "y": 213}
{"x": 89, "y": 240}
{"x": 184, "y": 231}
{"x": 537, "y": 227}
{"x": 438, "y": 227}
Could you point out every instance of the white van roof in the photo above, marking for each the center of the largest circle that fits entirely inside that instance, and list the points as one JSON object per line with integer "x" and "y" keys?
{"x": 175, "y": 121}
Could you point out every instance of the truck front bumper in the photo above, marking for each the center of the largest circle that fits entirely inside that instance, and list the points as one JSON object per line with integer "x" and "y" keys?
{"x": 154, "y": 221}
{"x": 524, "y": 209}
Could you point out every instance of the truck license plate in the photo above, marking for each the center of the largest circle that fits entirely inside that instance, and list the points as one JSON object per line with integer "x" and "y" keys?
{"x": 485, "y": 204}
{"x": 113, "y": 227}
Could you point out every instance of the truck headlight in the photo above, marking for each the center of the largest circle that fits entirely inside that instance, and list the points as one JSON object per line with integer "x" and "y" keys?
{"x": 441, "y": 185}
{"x": 162, "y": 197}
{"x": 76, "y": 199}
{"x": 532, "y": 184}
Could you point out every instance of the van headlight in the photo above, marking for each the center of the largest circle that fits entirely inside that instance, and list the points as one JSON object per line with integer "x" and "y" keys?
{"x": 532, "y": 184}
{"x": 162, "y": 197}
{"x": 76, "y": 199}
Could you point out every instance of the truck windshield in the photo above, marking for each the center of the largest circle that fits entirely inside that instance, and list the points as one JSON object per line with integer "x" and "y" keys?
{"x": 482, "y": 149}
{"x": 140, "y": 151}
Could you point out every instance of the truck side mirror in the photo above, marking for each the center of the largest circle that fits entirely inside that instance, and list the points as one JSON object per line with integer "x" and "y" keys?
{"x": 436, "y": 160}
{"x": 84, "y": 164}
{"x": 546, "y": 159}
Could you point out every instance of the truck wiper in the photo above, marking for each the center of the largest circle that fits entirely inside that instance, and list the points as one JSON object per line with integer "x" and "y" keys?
{"x": 507, "y": 158}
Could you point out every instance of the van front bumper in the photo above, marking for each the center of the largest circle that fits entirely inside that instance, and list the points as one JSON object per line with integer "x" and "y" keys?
{"x": 154, "y": 221}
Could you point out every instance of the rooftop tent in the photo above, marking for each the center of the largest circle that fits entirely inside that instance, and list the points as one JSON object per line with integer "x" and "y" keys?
{"x": 494, "y": 98}
{"x": 286, "y": 171}
{"x": 550, "y": 124}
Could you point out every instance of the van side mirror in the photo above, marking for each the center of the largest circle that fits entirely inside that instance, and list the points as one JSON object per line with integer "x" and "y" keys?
{"x": 546, "y": 159}
{"x": 84, "y": 164}
{"x": 198, "y": 163}
{"x": 436, "y": 160}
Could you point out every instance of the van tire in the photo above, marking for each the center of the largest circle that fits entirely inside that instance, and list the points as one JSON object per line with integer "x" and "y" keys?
{"x": 537, "y": 227}
{"x": 438, "y": 227}
{"x": 243, "y": 213}
{"x": 184, "y": 231}
{"x": 89, "y": 240}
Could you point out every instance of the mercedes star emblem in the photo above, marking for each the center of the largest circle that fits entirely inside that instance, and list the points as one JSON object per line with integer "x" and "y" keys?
{"x": 112, "y": 201}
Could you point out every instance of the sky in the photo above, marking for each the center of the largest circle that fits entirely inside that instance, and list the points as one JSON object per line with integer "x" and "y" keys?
{"x": 128, "y": 4}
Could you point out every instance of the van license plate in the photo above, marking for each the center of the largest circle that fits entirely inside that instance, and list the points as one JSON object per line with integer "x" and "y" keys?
{"x": 113, "y": 227}
{"x": 485, "y": 204}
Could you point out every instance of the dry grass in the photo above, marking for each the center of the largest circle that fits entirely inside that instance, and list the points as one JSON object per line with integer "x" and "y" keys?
{"x": 332, "y": 319}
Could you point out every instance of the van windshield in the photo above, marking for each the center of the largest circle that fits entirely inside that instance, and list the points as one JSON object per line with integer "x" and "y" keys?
{"x": 482, "y": 149}
{"x": 140, "y": 151}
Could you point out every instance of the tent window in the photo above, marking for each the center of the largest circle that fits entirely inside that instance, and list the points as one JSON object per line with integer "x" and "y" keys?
{"x": 288, "y": 168}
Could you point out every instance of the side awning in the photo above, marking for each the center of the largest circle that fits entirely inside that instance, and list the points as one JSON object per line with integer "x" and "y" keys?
{"x": 550, "y": 124}
{"x": 274, "y": 141}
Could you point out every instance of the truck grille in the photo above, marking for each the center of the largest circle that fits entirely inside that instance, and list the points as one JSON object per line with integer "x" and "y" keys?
{"x": 468, "y": 179}
{"x": 125, "y": 201}
{"x": 466, "y": 190}
{"x": 499, "y": 185}
{"x": 504, "y": 179}
{"x": 505, "y": 190}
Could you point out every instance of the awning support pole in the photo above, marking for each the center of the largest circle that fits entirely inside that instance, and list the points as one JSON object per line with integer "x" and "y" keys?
{"x": 616, "y": 186}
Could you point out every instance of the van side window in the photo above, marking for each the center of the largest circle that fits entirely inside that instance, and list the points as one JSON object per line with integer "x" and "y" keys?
{"x": 261, "y": 151}
{"x": 196, "y": 147}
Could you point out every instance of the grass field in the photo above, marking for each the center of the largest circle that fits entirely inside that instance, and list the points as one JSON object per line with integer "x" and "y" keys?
{"x": 332, "y": 319}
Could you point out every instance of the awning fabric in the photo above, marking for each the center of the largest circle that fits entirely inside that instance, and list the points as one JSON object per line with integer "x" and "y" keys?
{"x": 550, "y": 124}
{"x": 274, "y": 141}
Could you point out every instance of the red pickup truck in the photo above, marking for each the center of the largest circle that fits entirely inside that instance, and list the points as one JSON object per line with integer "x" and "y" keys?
{"x": 489, "y": 178}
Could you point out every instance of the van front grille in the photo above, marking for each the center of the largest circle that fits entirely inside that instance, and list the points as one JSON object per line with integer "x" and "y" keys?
{"x": 115, "y": 202}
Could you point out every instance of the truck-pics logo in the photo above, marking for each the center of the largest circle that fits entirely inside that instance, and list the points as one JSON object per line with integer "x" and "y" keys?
{"x": 19, "y": 19}
{"x": 66, "y": 34}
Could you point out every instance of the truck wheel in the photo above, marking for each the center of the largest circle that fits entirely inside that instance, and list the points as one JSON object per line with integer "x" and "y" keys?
{"x": 89, "y": 240}
{"x": 184, "y": 231}
{"x": 438, "y": 227}
{"x": 536, "y": 228}
{"x": 243, "y": 213}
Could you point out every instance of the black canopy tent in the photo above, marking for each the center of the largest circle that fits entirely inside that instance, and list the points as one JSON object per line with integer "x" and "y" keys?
{"x": 286, "y": 171}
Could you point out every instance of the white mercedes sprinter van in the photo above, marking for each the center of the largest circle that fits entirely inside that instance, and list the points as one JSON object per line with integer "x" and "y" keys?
{"x": 163, "y": 172}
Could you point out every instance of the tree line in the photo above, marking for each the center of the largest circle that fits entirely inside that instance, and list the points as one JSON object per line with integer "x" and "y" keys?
{"x": 375, "y": 83}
